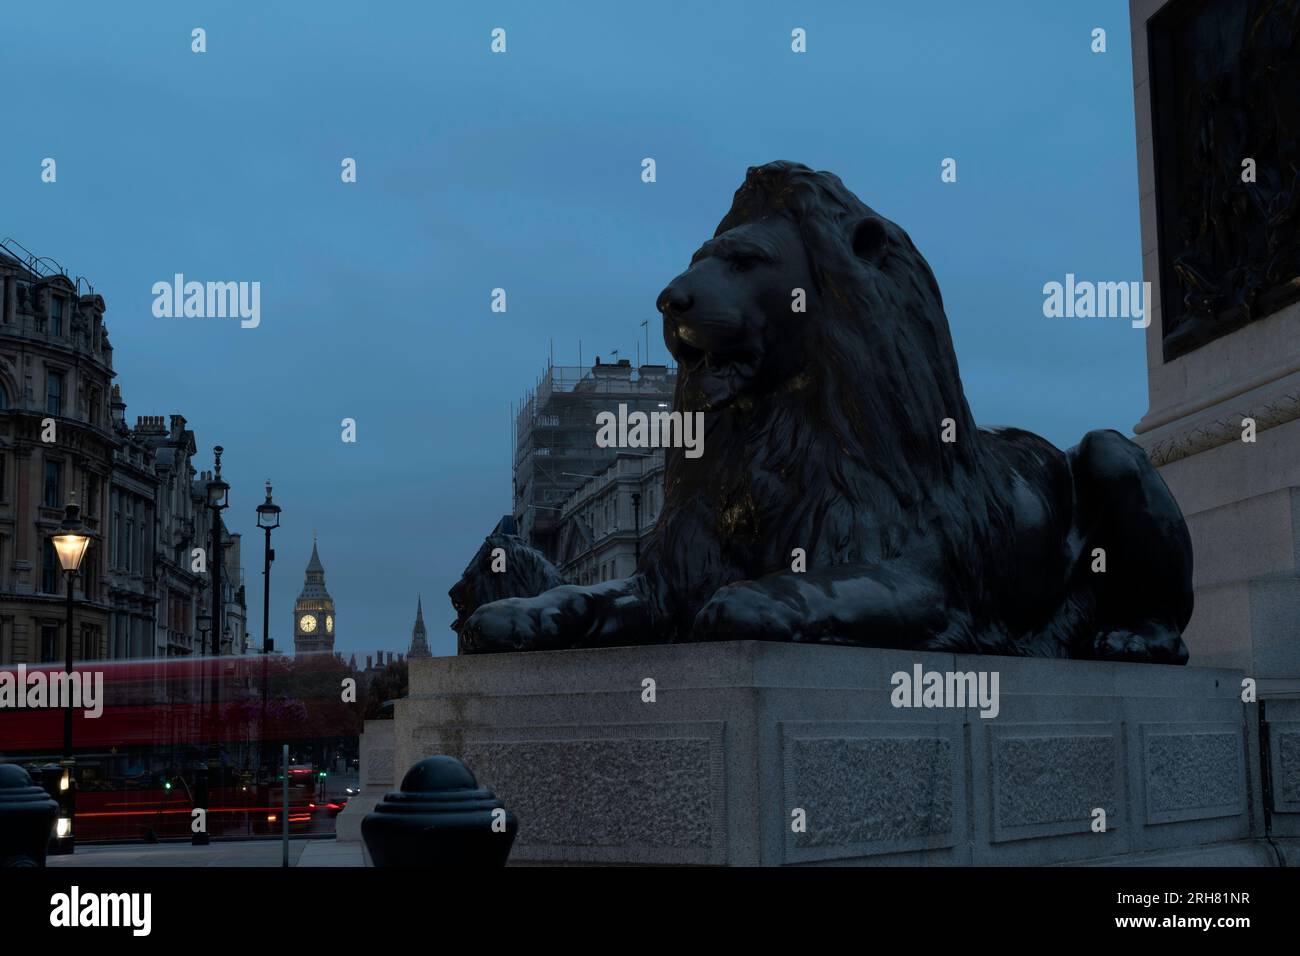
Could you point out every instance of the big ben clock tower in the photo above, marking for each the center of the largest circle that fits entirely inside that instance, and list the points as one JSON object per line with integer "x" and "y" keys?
{"x": 313, "y": 613}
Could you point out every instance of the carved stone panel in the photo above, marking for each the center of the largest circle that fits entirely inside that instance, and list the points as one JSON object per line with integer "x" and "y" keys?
{"x": 1225, "y": 102}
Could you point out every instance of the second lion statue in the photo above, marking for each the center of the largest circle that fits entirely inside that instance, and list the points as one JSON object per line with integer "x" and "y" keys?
{"x": 825, "y": 437}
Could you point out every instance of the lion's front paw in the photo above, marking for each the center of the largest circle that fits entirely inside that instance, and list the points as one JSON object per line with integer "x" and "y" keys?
{"x": 745, "y": 612}
{"x": 1147, "y": 645}
{"x": 512, "y": 624}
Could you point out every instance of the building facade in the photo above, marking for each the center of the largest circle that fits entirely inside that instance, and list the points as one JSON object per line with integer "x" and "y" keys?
{"x": 56, "y": 366}
{"x": 555, "y": 450}
{"x": 313, "y": 612}
{"x": 64, "y": 437}
{"x": 608, "y": 521}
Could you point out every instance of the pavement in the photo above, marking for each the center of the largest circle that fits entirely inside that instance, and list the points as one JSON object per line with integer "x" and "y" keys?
{"x": 269, "y": 853}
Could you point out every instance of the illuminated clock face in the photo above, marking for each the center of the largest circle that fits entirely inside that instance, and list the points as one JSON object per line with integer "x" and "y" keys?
{"x": 308, "y": 623}
{"x": 329, "y": 623}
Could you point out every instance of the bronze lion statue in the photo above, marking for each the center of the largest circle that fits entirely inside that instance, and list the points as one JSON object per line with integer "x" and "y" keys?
{"x": 840, "y": 433}
{"x": 526, "y": 572}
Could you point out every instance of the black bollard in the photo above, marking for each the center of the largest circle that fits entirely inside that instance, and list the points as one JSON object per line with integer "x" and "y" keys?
{"x": 27, "y": 815}
{"x": 439, "y": 818}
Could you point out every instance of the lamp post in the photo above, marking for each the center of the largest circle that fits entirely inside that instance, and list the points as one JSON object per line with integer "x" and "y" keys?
{"x": 636, "y": 529}
{"x": 204, "y": 622}
{"x": 205, "y": 625}
{"x": 70, "y": 544}
{"x": 268, "y": 519}
{"x": 218, "y": 492}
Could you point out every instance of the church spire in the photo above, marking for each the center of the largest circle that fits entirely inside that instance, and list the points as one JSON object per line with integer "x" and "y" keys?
{"x": 419, "y": 636}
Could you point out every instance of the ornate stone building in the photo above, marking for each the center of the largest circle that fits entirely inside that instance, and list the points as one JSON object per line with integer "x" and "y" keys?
{"x": 63, "y": 434}
{"x": 56, "y": 366}
{"x": 313, "y": 613}
{"x": 606, "y": 520}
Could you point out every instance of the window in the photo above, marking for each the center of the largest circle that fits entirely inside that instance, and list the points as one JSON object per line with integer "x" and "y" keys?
{"x": 92, "y": 496}
{"x": 4, "y": 398}
{"x": 49, "y": 568}
{"x": 54, "y": 393}
{"x": 87, "y": 572}
{"x": 2, "y": 485}
{"x": 49, "y": 643}
{"x": 128, "y": 539}
{"x": 56, "y": 315}
{"x": 53, "y": 484}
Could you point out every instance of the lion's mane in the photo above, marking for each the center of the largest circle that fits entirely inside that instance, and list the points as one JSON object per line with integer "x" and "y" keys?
{"x": 527, "y": 573}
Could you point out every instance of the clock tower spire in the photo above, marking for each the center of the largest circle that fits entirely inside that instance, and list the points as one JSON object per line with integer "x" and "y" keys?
{"x": 313, "y": 612}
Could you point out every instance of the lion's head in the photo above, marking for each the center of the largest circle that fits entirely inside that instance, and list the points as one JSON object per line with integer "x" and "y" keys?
{"x": 811, "y": 333}
{"x": 526, "y": 573}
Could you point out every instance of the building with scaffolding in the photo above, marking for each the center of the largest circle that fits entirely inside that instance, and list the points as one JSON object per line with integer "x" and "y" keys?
{"x": 554, "y": 439}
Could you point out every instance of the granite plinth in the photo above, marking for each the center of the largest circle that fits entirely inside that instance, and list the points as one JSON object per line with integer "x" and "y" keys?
{"x": 744, "y": 739}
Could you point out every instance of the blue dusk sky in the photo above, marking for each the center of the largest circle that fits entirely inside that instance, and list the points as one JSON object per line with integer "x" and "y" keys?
{"x": 523, "y": 171}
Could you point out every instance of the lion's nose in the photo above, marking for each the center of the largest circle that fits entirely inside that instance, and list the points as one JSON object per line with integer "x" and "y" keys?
{"x": 674, "y": 300}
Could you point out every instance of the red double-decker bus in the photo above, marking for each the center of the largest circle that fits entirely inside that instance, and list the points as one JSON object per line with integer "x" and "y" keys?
{"x": 163, "y": 735}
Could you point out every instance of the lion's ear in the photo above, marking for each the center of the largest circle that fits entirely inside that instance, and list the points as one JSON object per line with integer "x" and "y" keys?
{"x": 870, "y": 240}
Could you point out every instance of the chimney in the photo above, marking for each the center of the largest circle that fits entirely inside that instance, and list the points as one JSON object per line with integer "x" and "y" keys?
{"x": 369, "y": 663}
{"x": 150, "y": 425}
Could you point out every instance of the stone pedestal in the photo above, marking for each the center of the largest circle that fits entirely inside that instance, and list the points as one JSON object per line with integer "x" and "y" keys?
{"x": 1241, "y": 500}
{"x": 742, "y": 735}
{"x": 378, "y": 776}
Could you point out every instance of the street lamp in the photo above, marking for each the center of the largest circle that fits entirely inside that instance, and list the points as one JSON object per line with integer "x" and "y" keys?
{"x": 268, "y": 519}
{"x": 70, "y": 543}
{"x": 218, "y": 493}
{"x": 636, "y": 530}
{"x": 204, "y": 622}
{"x": 205, "y": 625}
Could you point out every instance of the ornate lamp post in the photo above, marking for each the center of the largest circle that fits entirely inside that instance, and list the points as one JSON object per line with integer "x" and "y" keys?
{"x": 70, "y": 544}
{"x": 205, "y": 625}
{"x": 218, "y": 493}
{"x": 204, "y": 621}
{"x": 268, "y": 519}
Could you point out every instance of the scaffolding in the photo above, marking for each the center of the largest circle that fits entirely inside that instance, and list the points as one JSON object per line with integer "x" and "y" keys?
{"x": 554, "y": 440}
